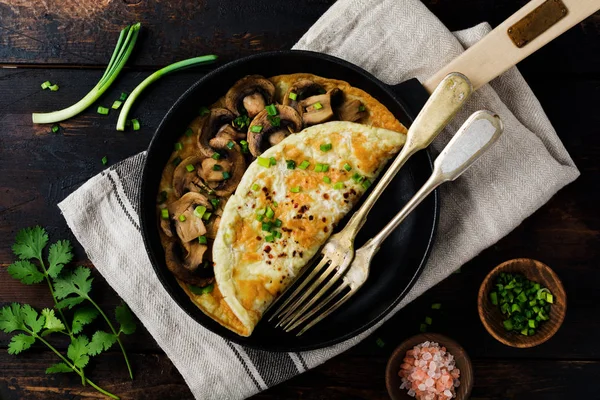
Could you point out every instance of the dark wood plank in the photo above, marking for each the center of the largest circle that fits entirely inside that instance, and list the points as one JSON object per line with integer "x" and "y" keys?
{"x": 351, "y": 377}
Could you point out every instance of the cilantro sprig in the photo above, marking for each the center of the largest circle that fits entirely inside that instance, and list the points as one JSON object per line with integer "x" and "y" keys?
{"x": 69, "y": 288}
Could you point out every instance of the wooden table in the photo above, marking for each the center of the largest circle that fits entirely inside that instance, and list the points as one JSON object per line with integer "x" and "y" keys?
{"x": 67, "y": 42}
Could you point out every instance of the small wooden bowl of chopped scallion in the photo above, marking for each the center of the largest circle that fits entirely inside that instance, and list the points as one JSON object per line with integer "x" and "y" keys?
{"x": 522, "y": 303}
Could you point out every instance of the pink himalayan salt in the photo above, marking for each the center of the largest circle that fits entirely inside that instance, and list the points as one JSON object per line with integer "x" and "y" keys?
{"x": 429, "y": 372}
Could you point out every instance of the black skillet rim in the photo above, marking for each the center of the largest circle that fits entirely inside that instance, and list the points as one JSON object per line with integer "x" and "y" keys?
{"x": 145, "y": 207}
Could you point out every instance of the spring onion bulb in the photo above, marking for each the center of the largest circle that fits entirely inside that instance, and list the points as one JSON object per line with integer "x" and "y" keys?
{"x": 190, "y": 62}
{"x": 122, "y": 51}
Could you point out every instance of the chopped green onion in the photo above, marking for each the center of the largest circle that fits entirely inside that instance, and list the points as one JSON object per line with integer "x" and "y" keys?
{"x": 274, "y": 120}
{"x": 136, "y": 124}
{"x": 176, "y": 161}
{"x": 164, "y": 213}
{"x": 278, "y": 223}
{"x": 241, "y": 121}
{"x": 55, "y": 128}
{"x": 125, "y": 43}
{"x": 269, "y": 213}
{"x": 267, "y": 227}
{"x": 304, "y": 164}
{"x": 357, "y": 177}
{"x": 215, "y": 202}
{"x": 361, "y": 108}
{"x": 326, "y": 179}
{"x": 339, "y": 185}
{"x": 549, "y": 298}
{"x": 295, "y": 189}
{"x": 190, "y": 167}
{"x": 272, "y": 161}
{"x": 326, "y": 147}
{"x": 263, "y": 162}
{"x": 293, "y": 96}
{"x": 53, "y": 88}
{"x": 379, "y": 342}
{"x": 271, "y": 109}
{"x": 494, "y": 298}
{"x": 230, "y": 145}
{"x": 202, "y": 240}
{"x": 325, "y": 167}
{"x": 256, "y": 128}
{"x": 428, "y": 320}
{"x": 46, "y": 85}
{"x": 102, "y": 110}
{"x": 255, "y": 187}
{"x": 182, "y": 218}
{"x": 190, "y": 62}
{"x": 203, "y": 111}
{"x": 423, "y": 328}
{"x": 201, "y": 290}
{"x": 260, "y": 217}
{"x": 217, "y": 167}
{"x": 178, "y": 146}
{"x": 291, "y": 164}
{"x": 347, "y": 167}
{"x": 244, "y": 145}
{"x": 532, "y": 323}
{"x": 226, "y": 175}
{"x": 277, "y": 234}
{"x": 508, "y": 325}
{"x": 104, "y": 160}
{"x": 366, "y": 183}
{"x": 206, "y": 216}
{"x": 116, "y": 104}
{"x": 189, "y": 132}
{"x": 123, "y": 96}
{"x": 216, "y": 156}
{"x": 275, "y": 204}
{"x": 319, "y": 168}
{"x": 199, "y": 211}
{"x": 317, "y": 106}
{"x": 269, "y": 238}
{"x": 436, "y": 306}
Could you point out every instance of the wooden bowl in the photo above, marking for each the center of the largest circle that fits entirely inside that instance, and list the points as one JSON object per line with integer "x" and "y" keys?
{"x": 463, "y": 362}
{"x": 492, "y": 317}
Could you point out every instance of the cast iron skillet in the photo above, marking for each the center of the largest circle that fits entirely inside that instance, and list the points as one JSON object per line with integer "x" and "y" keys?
{"x": 401, "y": 258}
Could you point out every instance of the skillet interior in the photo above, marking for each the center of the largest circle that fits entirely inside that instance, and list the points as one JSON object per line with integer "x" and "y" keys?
{"x": 400, "y": 259}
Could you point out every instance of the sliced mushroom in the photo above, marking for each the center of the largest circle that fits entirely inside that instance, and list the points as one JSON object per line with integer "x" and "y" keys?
{"x": 188, "y": 226}
{"x": 218, "y": 120}
{"x": 230, "y": 130}
{"x": 188, "y": 181}
{"x": 287, "y": 121}
{"x": 318, "y": 109}
{"x": 300, "y": 90}
{"x": 187, "y": 263}
{"x": 166, "y": 226}
{"x": 350, "y": 110}
{"x": 212, "y": 226}
{"x": 250, "y": 95}
{"x": 233, "y": 165}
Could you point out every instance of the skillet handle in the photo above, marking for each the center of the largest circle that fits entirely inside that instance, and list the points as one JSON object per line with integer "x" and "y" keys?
{"x": 497, "y": 52}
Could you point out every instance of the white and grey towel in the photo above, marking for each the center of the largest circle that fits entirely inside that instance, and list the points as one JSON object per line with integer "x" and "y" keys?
{"x": 394, "y": 40}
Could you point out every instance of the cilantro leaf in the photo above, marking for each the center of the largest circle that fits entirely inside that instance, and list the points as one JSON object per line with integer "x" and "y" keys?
{"x": 59, "y": 255}
{"x": 82, "y": 317}
{"x": 69, "y": 302}
{"x": 10, "y": 318}
{"x": 30, "y": 318}
{"x": 30, "y": 242}
{"x": 60, "y": 367}
{"x": 78, "y": 350}
{"x": 125, "y": 318}
{"x": 52, "y": 324}
{"x": 25, "y": 272}
{"x": 101, "y": 341}
{"x": 20, "y": 342}
{"x": 75, "y": 282}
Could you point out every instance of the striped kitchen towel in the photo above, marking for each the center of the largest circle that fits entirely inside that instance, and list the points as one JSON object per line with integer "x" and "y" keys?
{"x": 394, "y": 40}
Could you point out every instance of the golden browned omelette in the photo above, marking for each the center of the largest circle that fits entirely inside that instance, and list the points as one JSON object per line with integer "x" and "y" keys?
{"x": 210, "y": 159}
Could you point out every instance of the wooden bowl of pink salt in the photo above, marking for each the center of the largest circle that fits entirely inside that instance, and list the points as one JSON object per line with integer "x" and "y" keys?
{"x": 429, "y": 366}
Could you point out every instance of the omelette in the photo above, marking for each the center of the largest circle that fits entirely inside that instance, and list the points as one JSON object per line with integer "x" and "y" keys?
{"x": 253, "y": 160}
{"x": 286, "y": 206}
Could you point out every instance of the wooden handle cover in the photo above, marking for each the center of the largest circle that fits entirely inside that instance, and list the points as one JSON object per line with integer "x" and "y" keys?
{"x": 496, "y": 52}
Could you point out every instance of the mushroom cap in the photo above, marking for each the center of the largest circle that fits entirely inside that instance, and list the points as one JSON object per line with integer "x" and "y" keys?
{"x": 237, "y": 161}
{"x": 303, "y": 88}
{"x": 184, "y": 181}
{"x": 311, "y": 114}
{"x": 216, "y": 121}
{"x": 244, "y": 97}
{"x": 186, "y": 263}
{"x": 289, "y": 122}
{"x": 191, "y": 227}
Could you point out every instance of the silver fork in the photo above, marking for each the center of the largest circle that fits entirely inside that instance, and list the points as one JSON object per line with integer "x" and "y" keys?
{"x": 475, "y": 136}
{"x": 338, "y": 251}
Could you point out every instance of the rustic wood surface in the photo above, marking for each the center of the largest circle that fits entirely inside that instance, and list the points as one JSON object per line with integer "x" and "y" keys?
{"x": 68, "y": 41}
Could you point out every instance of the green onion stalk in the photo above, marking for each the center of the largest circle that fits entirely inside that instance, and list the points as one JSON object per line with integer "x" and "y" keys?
{"x": 190, "y": 62}
{"x": 122, "y": 51}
